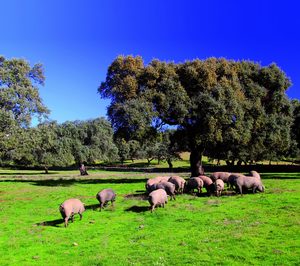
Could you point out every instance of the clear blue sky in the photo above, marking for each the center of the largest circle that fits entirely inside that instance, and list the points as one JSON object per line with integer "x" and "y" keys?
{"x": 77, "y": 40}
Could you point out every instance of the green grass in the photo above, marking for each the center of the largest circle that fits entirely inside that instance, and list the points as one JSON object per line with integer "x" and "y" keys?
{"x": 259, "y": 229}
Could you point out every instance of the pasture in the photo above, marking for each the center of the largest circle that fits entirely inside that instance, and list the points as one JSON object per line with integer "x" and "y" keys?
{"x": 253, "y": 229}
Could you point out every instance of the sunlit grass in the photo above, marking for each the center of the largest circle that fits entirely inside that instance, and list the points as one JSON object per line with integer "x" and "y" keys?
{"x": 259, "y": 229}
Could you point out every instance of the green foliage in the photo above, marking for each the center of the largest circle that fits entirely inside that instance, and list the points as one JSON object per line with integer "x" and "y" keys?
{"x": 123, "y": 148}
{"x": 19, "y": 103}
{"x": 19, "y": 94}
{"x": 88, "y": 141}
{"x": 224, "y": 109}
{"x": 52, "y": 144}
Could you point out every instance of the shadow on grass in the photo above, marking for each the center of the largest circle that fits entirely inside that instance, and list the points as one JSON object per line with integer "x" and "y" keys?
{"x": 54, "y": 223}
{"x": 92, "y": 206}
{"x": 26, "y": 174}
{"x": 137, "y": 209}
{"x": 69, "y": 182}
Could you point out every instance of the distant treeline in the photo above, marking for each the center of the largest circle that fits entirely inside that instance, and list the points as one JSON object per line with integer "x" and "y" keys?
{"x": 236, "y": 111}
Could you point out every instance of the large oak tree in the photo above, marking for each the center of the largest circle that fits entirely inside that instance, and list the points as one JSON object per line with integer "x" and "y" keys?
{"x": 225, "y": 108}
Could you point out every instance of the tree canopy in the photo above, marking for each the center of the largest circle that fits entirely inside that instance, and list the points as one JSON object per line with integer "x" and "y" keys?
{"x": 232, "y": 110}
{"x": 19, "y": 91}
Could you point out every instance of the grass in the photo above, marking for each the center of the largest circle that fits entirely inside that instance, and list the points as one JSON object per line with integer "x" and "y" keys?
{"x": 259, "y": 229}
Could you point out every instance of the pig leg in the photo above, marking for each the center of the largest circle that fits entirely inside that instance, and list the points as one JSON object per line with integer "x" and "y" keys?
{"x": 80, "y": 214}
{"x": 152, "y": 207}
{"x": 66, "y": 221}
{"x": 240, "y": 189}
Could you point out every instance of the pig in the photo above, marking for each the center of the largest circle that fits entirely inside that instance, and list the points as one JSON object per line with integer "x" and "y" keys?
{"x": 157, "y": 198}
{"x": 104, "y": 196}
{"x": 241, "y": 182}
{"x": 194, "y": 183}
{"x": 207, "y": 183}
{"x": 71, "y": 207}
{"x": 255, "y": 174}
{"x": 231, "y": 180}
{"x": 179, "y": 183}
{"x": 219, "y": 187}
{"x": 220, "y": 175}
{"x": 155, "y": 180}
{"x": 168, "y": 187}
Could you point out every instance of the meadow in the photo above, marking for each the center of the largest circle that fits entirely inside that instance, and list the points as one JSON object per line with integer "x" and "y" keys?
{"x": 253, "y": 229}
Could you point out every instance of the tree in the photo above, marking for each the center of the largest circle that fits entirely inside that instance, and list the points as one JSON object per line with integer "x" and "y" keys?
{"x": 220, "y": 106}
{"x": 19, "y": 102}
{"x": 123, "y": 148}
{"x": 295, "y": 131}
{"x": 46, "y": 149}
{"x": 89, "y": 141}
{"x": 19, "y": 92}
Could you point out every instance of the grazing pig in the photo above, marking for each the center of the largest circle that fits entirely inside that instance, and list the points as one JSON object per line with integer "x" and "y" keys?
{"x": 219, "y": 187}
{"x": 255, "y": 174}
{"x": 179, "y": 183}
{"x": 168, "y": 187}
{"x": 220, "y": 175}
{"x": 158, "y": 198}
{"x": 207, "y": 183}
{"x": 194, "y": 183}
{"x": 104, "y": 196}
{"x": 71, "y": 207}
{"x": 231, "y": 180}
{"x": 155, "y": 180}
{"x": 247, "y": 182}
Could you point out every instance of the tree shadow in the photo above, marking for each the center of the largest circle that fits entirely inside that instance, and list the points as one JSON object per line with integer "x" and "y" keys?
{"x": 113, "y": 181}
{"x": 68, "y": 182}
{"x": 54, "y": 223}
{"x": 137, "y": 209}
{"x": 54, "y": 183}
{"x": 26, "y": 174}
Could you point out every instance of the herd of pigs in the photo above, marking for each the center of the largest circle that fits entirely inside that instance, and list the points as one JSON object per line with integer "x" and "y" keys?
{"x": 160, "y": 187}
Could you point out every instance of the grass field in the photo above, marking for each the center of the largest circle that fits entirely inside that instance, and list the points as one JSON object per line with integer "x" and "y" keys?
{"x": 259, "y": 229}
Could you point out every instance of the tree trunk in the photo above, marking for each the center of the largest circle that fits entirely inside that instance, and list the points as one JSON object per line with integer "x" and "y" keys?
{"x": 230, "y": 163}
{"x": 46, "y": 170}
{"x": 170, "y": 163}
{"x": 196, "y": 162}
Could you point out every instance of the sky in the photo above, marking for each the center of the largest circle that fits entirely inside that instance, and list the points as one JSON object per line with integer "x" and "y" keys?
{"x": 77, "y": 40}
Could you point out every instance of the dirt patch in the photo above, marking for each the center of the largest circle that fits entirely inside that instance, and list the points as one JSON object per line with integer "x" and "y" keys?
{"x": 213, "y": 202}
{"x": 229, "y": 222}
{"x": 229, "y": 193}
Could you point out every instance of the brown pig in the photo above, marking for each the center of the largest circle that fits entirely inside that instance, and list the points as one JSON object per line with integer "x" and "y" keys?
{"x": 168, "y": 187}
{"x": 155, "y": 180}
{"x": 220, "y": 175}
{"x": 158, "y": 198}
{"x": 179, "y": 183}
{"x": 219, "y": 187}
{"x": 71, "y": 207}
{"x": 207, "y": 183}
{"x": 104, "y": 196}
{"x": 241, "y": 182}
{"x": 194, "y": 183}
